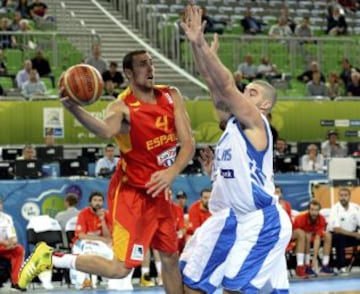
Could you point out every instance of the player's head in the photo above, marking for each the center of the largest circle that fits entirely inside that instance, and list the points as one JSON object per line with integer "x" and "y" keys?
{"x": 71, "y": 200}
{"x": 96, "y": 200}
{"x": 181, "y": 198}
{"x": 205, "y": 197}
{"x": 344, "y": 196}
{"x": 262, "y": 94}
{"x": 139, "y": 69}
{"x": 314, "y": 210}
{"x": 278, "y": 191}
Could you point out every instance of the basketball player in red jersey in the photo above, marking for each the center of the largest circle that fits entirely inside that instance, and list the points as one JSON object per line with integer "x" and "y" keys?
{"x": 147, "y": 122}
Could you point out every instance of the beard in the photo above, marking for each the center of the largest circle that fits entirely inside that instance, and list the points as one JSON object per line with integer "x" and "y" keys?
{"x": 222, "y": 125}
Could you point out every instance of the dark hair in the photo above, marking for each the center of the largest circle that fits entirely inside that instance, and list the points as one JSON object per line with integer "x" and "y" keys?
{"x": 181, "y": 194}
{"x": 127, "y": 62}
{"x": 205, "y": 190}
{"x": 94, "y": 194}
{"x": 110, "y": 145}
{"x": 113, "y": 63}
{"x": 314, "y": 202}
{"x": 332, "y": 132}
{"x": 345, "y": 189}
{"x": 278, "y": 187}
{"x": 72, "y": 199}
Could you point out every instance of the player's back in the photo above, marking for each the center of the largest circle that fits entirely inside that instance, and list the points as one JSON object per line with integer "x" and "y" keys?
{"x": 150, "y": 144}
{"x": 243, "y": 176}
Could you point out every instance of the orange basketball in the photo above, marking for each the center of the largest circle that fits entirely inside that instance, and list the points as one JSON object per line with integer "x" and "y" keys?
{"x": 82, "y": 83}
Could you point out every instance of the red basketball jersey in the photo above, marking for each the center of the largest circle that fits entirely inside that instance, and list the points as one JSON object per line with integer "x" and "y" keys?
{"x": 150, "y": 144}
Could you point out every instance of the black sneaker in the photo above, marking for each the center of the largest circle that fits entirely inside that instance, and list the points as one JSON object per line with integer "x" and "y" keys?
{"x": 15, "y": 287}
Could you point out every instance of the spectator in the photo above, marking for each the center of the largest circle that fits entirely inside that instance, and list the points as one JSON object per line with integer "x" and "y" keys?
{"x": 298, "y": 236}
{"x": 303, "y": 30}
{"x": 70, "y": 203}
{"x": 333, "y": 85}
{"x": 284, "y": 12}
{"x": 336, "y": 23}
{"x": 23, "y": 75}
{"x": 33, "y": 86}
{"x": 332, "y": 147}
{"x": 9, "y": 247}
{"x": 7, "y": 40}
{"x": 96, "y": 60}
{"x": 246, "y": 70}
{"x": 314, "y": 226}
{"x": 313, "y": 161}
{"x": 3, "y": 68}
{"x": 212, "y": 25}
{"x": 353, "y": 88}
{"x": 199, "y": 211}
{"x": 23, "y": 8}
{"x": 114, "y": 75}
{"x": 307, "y": 75}
{"x": 347, "y": 70}
{"x": 106, "y": 165}
{"x": 344, "y": 222}
{"x": 109, "y": 89}
{"x": 15, "y": 25}
{"x": 250, "y": 24}
{"x": 28, "y": 153}
{"x": 181, "y": 199}
{"x": 284, "y": 161}
{"x": 42, "y": 65}
{"x": 93, "y": 223}
{"x": 267, "y": 70}
{"x": 38, "y": 10}
{"x": 316, "y": 87}
{"x": 281, "y": 29}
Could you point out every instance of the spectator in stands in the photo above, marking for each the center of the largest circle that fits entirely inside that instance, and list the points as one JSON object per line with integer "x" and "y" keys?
{"x": 332, "y": 147}
{"x": 3, "y": 68}
{"x": 285, "y": 13}
{"x": 106, "y": 165}
{"x": 347, "y": 70}
{"x": 93, "y": 223}
{"x": 6, "y": 40}
{"x": 96, "y": 60}
{"x": 250, "y": 24}
{"x": 284, "y": 161}
{"x": 303, "y": 30}
{"x": 353, "y": 88}
{"x": 114, "y": 75}
{"x": 267, "y": 70}
{"x": 33, "y": 86}
{"x": 312, "y": 161}
{"x": 298, "y": 236}
{"x": 28, "y": 153}
{"x": 199, "y": 211}
{"x": 42, "y": 65}
{"x": 23, "y": 75}
{"x": 344, "y": 223}
{"x": 181, "y": 199}
{"x": 70, "y": 203}
{"x": 212, "y": 25}
{"x": 109, "y": 89}
{"x": 23, "y": 8}
{"x": 336, "y": 22}
{"x": 9, "y": 247}
{"x": 246, "y": 70}
{"x": 333, "y": 85}
{"x": 281, "y": 29}
{"x": 15, "y": 24}
{"x": 307, "y": 75}
{"x": 314, "y": 226}
{"x": 316, "y": 87}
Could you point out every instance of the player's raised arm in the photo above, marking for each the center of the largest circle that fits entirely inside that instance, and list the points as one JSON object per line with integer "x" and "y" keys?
{"x": 218, "y": 78}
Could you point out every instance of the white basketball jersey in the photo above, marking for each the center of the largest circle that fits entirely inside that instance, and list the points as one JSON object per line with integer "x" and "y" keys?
{"x": 242, "y": 176}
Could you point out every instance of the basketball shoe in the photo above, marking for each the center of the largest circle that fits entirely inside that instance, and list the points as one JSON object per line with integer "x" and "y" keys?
{"x": 39, "y": 261}
{"x": 146, "y": 281}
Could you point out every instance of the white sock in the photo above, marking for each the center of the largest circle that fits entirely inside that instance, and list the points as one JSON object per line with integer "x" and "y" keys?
{"x": 307, "y": 259}
{"x": 158, "y": 267}
{"x": 145, "y": 270}
{"x": 326, "y": 259}
{"x": 300, "y": 259}
{"x": 64, "y": 261}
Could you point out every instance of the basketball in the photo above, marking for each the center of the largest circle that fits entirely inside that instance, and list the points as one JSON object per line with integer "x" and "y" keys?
{"x": 82, "y": 83}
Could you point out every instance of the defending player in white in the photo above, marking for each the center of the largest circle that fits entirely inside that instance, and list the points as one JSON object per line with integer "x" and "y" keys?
{"x": 242, "y": 246}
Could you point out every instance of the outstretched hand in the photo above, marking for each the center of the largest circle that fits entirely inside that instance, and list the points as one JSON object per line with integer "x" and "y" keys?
{"x": 65, "y": 100}
{"x": 193, "y": 26}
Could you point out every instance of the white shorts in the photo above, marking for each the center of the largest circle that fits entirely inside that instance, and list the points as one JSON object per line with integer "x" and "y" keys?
{"x": 243, "y": 253}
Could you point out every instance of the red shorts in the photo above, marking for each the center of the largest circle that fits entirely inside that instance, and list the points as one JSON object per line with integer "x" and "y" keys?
{"x": 140, "y": 222}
